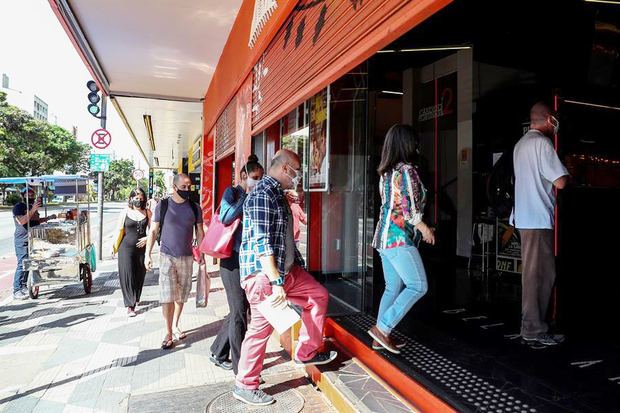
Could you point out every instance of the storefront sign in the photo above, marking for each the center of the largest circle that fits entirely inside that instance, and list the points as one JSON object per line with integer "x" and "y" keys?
{"x": 318, "y": 170}
{"x": 206, "y": 188}
{"x": 508, "y": 247}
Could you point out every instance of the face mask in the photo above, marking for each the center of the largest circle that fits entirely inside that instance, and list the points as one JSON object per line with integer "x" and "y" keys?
{"x": 138, "y": 204}
{"x": 252, "y": 182}
{"x": 31, "y": 202}
{"x": 183, "y": 194}
{"x": 556, "y": 125}
{"x": 295, "y": 180}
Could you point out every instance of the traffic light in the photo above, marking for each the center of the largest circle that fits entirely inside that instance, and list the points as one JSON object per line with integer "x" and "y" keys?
{"x": 93, "y": 98}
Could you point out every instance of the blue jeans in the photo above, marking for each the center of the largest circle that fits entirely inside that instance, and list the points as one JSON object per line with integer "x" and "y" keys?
{"x": 21, "y": 276}
{"x": 405, "y": 284}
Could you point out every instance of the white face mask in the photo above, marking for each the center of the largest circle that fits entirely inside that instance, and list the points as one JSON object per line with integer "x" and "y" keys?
{"x": 294, "y": 180}
{"x": 252, "y": 182}
{"x": 556, "y": 125}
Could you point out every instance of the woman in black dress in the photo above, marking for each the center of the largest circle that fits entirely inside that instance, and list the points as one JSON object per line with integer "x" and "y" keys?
{"x": 135, "y": 221}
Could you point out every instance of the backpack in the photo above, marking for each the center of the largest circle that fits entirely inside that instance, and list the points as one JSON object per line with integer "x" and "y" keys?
{"x": 162, "y": 215}
{"x": 501, "y": 185}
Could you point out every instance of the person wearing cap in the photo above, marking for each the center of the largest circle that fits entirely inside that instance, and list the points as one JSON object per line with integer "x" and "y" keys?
{"x": 24, "y": 214}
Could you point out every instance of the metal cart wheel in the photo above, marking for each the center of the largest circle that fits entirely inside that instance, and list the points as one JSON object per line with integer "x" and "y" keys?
{"x": 86, "y": 277}
{"x": 33, "y": 290}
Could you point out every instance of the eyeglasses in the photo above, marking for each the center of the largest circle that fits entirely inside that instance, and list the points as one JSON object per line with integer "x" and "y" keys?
{"x": 297, "y": 171}
{"x": 183, "y": 187}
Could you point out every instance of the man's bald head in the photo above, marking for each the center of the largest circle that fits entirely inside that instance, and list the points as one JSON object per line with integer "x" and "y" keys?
{"x": 284, "y": 166}
{"x": 539, "y": 114}
{"x": 542, "y": 118}
{"x": 286, "y": 157}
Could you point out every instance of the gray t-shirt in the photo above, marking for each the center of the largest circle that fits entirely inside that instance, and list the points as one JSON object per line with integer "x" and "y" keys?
{"x": 178, "y": 231}
{"x": 536, "y": 166}
{"x": 289, "y": 243}
{"x": 21, "y": 231}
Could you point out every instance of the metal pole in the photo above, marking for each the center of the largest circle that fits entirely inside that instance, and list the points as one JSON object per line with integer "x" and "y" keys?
{"x": 100, "y": 187}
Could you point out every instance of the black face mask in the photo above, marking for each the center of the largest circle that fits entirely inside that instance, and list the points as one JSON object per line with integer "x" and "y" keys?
{"x": 183, "y": 194}
{"x": 138, "y": 204}
{"x": 31, "y": 202}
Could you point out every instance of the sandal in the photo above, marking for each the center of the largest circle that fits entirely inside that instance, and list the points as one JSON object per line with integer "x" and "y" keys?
{"x": 179, "y": 335}
{"x": 167, "y": 343}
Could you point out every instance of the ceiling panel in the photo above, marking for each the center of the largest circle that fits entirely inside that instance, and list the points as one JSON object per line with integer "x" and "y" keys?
{"x": 157, "y": 47}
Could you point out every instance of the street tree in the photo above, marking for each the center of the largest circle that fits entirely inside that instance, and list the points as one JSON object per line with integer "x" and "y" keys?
{"x": 118, "y": 179}
{"x": 32, "y": 147}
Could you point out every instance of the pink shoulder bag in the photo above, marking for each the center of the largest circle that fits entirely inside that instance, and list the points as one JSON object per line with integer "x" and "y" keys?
{"x": 219, "y": 238}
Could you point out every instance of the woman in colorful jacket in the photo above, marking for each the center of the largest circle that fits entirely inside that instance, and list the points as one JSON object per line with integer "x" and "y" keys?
{"x": 398, "y": 234}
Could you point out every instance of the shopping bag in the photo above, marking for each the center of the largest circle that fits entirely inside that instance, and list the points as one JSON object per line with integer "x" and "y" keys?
{"x": 203, "y": 285}
{"x": 121, "y": 233}
{"x": 219, "y": 238}
{"x": 196, "y": 254}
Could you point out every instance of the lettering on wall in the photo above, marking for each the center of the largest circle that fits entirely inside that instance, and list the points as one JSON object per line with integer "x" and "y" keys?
{"x": 297, "y": 22}
{"x": 262, "y": 12}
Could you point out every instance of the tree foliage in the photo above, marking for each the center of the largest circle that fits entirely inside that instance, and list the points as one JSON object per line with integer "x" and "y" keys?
{"x": 117, "y": 182}
{"x": 30, "y": 147}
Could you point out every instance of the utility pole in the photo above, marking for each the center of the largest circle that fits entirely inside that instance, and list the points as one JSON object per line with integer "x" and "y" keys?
{"x": 100, "y": 194}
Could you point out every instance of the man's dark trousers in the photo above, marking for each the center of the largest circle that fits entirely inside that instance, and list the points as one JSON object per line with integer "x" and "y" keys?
{"x": 233, "y": 330}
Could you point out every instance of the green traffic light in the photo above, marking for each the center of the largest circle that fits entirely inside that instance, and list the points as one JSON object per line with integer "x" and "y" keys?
{"x": 93, "y": 109}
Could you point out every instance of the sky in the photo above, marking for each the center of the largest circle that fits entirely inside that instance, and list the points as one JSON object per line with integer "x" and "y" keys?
{"x": 39, "y": 59}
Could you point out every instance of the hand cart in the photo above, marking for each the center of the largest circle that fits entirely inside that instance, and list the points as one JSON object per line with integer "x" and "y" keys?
{"x": 59, "y": 250}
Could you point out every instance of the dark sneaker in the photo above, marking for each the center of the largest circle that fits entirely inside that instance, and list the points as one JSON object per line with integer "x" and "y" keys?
{"x": 383, "y": 339}
{"x": 396, "y": 341}
{"x": 544, "y": 339}
{"x": 319, "y": 358}
{"x": 20, "y": 295}
{"x": 254, "y": 397}
{"x": 226, "y": 365}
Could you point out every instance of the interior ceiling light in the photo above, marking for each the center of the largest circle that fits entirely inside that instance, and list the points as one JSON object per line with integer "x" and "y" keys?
{"x": 392, "y": 92}
{"x": 149, "y": 130}
{"x": 425, "y": 49}
{"x": 604, "y": 1}
{"x": 594, "y": 105}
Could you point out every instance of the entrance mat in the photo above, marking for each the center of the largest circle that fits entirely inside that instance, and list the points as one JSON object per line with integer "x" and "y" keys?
{"x": 495, "y": 376}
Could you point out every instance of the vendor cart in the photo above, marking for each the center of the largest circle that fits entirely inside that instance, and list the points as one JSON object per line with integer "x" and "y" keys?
{"x": 59, "y": 250}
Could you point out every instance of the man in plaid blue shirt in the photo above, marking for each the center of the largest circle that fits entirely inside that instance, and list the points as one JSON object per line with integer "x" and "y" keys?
{"x": 271, "y": 265}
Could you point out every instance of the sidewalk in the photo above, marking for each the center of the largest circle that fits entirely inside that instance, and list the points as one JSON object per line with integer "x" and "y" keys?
{"x": 68, "y": 352}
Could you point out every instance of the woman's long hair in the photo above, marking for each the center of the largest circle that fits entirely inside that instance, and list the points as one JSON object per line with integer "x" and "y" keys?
{"x": 134, "y": 192}
{"x": 401, "y": 145}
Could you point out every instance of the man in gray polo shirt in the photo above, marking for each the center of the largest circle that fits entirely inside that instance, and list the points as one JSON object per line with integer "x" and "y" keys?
{"x": 538, "y": 172}
{"x": 181, "y": 218}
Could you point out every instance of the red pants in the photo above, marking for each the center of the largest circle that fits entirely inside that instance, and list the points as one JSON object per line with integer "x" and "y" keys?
{"x": 301, "y": 289}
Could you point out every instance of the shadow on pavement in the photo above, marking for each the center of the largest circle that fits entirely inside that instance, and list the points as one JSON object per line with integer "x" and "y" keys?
{"x": 61, "y": 323}
{"x": 5, "y": 320}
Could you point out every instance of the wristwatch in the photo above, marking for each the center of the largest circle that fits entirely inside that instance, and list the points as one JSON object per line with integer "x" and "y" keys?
{"x": 279, "y": 281}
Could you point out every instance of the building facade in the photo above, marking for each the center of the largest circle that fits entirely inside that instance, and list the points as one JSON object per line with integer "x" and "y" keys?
{"x": 327, "y": 79}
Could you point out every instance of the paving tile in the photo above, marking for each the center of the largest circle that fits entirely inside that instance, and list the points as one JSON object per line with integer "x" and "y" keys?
{"x": 48, "y": 406}
{"x": 111, "y": 401}
{"x": 70, "y": 349}
{"x": 21, "y": 404}
{"x": 76, "y": 353}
